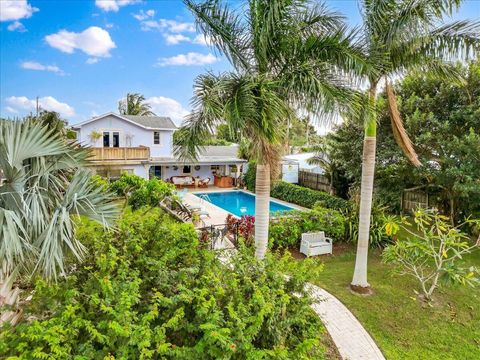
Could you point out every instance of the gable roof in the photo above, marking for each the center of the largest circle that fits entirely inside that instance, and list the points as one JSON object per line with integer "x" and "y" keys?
{"x": 153, "y": 122}
{"x": 146, "y": 122}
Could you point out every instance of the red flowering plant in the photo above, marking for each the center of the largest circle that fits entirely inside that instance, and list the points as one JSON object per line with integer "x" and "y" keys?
{"x": 245, "y": 226}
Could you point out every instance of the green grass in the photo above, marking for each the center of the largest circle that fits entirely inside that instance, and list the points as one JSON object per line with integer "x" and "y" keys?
{"x": 402, "y": 326}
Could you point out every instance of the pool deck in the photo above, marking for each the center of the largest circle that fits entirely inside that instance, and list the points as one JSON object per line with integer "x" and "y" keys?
{"x": 217, "y": 214}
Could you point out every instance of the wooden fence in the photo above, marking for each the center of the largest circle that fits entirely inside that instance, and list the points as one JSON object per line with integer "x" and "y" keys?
{"x": 411, "y": 199}
{"x": 313, "y": 181}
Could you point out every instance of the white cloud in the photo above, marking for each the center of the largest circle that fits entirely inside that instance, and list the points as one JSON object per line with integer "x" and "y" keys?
{"x": 164, "y": 106}
{"x": 173, "y": 39}
{"x": 109, "y": 25}
{"x": 47, "y": 103}
{"x": 93, "y": 41}
{"x": 113, "y": 5}
{"x": 11, "y": 110}
{"x": 172, "y": 26}
{"x": 16, "y": 26}
{"x": 33, "y": 65}
{"x": 91, "y": 61}
{"x": 191, "y": 58}
{"x": 15, "y": 10}
{"x": 202, "y": 40}
{"x": 143, "y": 15}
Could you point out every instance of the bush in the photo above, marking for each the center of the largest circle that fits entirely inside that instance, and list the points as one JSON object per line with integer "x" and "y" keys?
{"x": 139, "y": 192}
{"x": 378, "y": 236}
{"x": 306, "y": 197}
{"x": 286, "y": 231}
{"x": 150, "y": 290}
{"x": 250, "y": 176}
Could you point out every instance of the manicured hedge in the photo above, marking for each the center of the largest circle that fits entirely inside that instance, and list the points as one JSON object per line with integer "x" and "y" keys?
{"x": 287, "y": 230}
{"x": 306, "y": 197}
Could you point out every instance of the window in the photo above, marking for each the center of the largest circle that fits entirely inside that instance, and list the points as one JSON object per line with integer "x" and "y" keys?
{"x": 106, "y": 139}
{"x": 116, "y": 139}
{"x": 156, "y": 137}
{"x": 155, "y": 172}
{"x": 187, "y": 169}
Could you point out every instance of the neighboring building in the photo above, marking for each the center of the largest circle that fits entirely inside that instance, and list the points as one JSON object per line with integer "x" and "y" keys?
{"x": 143, "y": 145}
{"x": 302, "y": 160}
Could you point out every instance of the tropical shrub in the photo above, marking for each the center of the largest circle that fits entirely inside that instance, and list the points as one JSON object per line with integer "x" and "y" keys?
{"x": 378, "y": 237}
{"x": 306, "y": 197}
{"x": 250, "y": 176}
{"x": 149, "y": 290}
{"x": 245, "y": 226}
{"x": 286, "y": 230}
{"x": 139, "y": 192}
{"x": 431, "y": 251}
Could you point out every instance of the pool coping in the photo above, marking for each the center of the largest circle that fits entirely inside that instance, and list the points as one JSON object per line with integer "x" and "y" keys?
{"x": 281, "y": 202}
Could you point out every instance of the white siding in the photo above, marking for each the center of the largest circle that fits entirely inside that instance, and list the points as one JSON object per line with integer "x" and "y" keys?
{"x": 138, "y": 135}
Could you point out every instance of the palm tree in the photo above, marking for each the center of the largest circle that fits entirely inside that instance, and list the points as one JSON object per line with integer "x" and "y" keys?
{"x": 286, "y": 55}
{"x": 134, "y": 104}
{"x": 44, "y": 189}
{"x": 402, "y": 35}
{"x": 322, "y": 159}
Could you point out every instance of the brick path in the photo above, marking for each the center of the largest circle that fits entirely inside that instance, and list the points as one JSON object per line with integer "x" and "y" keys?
{"x": 352, "y": 340}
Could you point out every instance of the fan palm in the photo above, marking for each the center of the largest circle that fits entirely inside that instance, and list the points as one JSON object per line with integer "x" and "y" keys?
{"x": 134, "y": 104}
{"x": 286, "y": 55}
{"x": 402, "y": 35}
{"x": 42, "y": 191}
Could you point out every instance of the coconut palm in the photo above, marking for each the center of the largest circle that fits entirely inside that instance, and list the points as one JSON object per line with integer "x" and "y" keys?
{"x": 134, "y": 104}
{"x": 286, "y": 55}
{"x": 402, "y": 35}
{"x": 42, "y": 191}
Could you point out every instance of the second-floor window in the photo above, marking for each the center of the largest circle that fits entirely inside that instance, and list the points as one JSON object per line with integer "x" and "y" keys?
{"x": 156, "y": 137}
{"x": 116, "y": 139}
{"x": 106, "y": 139}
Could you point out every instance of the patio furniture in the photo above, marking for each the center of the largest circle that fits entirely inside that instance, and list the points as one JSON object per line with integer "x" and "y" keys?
{"x": 315, "y": 244}
{"x": 204, "y": 183}
{"x": 183, "y": 181}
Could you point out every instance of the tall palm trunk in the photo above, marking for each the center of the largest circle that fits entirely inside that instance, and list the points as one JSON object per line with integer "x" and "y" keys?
{"x": 360, "y": 282}
{"x": 262, "y": 209}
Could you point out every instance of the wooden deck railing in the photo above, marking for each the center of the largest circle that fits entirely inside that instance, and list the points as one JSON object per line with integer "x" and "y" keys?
{"x": 120, "y": 153}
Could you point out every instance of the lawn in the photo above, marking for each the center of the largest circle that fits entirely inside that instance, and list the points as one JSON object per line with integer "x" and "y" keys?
{"x": 403, "y": 327}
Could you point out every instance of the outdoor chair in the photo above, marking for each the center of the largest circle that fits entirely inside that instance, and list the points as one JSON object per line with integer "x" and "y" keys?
{"x": 204, "y": 183}
{"x": 315, "y": 244}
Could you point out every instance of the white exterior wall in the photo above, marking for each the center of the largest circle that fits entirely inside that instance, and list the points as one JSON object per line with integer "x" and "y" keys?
{"x": 140, "y": 135}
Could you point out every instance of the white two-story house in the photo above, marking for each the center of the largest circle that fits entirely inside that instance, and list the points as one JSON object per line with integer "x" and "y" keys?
{"x": 143, "y": 145}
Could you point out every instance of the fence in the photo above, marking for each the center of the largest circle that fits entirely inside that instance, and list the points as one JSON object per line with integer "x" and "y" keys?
{"x": 414, "y": 198}
{"x": 219, "y": 237}
{"x": 120, "y": 153}
{"x": 313, "y": 181}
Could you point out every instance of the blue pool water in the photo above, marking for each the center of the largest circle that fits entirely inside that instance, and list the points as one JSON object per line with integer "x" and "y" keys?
{"x": 238, "y": 202}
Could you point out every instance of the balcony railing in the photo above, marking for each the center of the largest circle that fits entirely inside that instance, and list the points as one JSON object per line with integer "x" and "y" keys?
{"x": 120, "y": 153}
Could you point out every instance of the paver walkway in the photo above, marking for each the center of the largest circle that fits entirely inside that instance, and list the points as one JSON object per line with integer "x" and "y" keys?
{"x": 352, "y": 340}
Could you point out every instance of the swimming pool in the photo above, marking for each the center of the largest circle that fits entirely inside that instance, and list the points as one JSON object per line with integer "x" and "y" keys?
{"x": 238, "y": 202}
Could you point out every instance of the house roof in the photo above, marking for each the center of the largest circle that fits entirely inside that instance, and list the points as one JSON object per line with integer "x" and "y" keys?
{"x": 147, "y": 122}
{"x": 153, "y": 122}
{"x": 210, "y": 155}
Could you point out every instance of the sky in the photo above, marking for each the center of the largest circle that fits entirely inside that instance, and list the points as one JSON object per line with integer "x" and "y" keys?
{"x": 80, "y": 57}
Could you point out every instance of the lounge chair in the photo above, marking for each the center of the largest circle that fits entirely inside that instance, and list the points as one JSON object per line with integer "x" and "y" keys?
{"x": 204, "y": 183}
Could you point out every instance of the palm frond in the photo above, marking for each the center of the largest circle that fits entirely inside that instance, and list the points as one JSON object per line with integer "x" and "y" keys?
{"x": 399, "y": 132}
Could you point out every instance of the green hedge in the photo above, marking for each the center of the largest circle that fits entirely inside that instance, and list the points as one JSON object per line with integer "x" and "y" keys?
{"x": 307, "y": 197}
{"x": 287, "y": 230}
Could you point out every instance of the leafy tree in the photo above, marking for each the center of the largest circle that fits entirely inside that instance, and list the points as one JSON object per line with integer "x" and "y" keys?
{"x": 224, "y": 133}
{"x": 442, "y": 118}
{"x": 400, "y": 35}
{"x": 134, "y": 104}
{"x": 431, "y": 251}
{"x": 44, "y": 190}
{"x": 283, "y": 53}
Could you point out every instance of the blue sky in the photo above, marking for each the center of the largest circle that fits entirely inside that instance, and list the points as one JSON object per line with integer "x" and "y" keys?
{"x": 81, "y": 56}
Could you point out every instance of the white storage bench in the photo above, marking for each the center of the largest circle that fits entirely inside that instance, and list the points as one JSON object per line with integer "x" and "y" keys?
{"x": 315, "y": 244}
